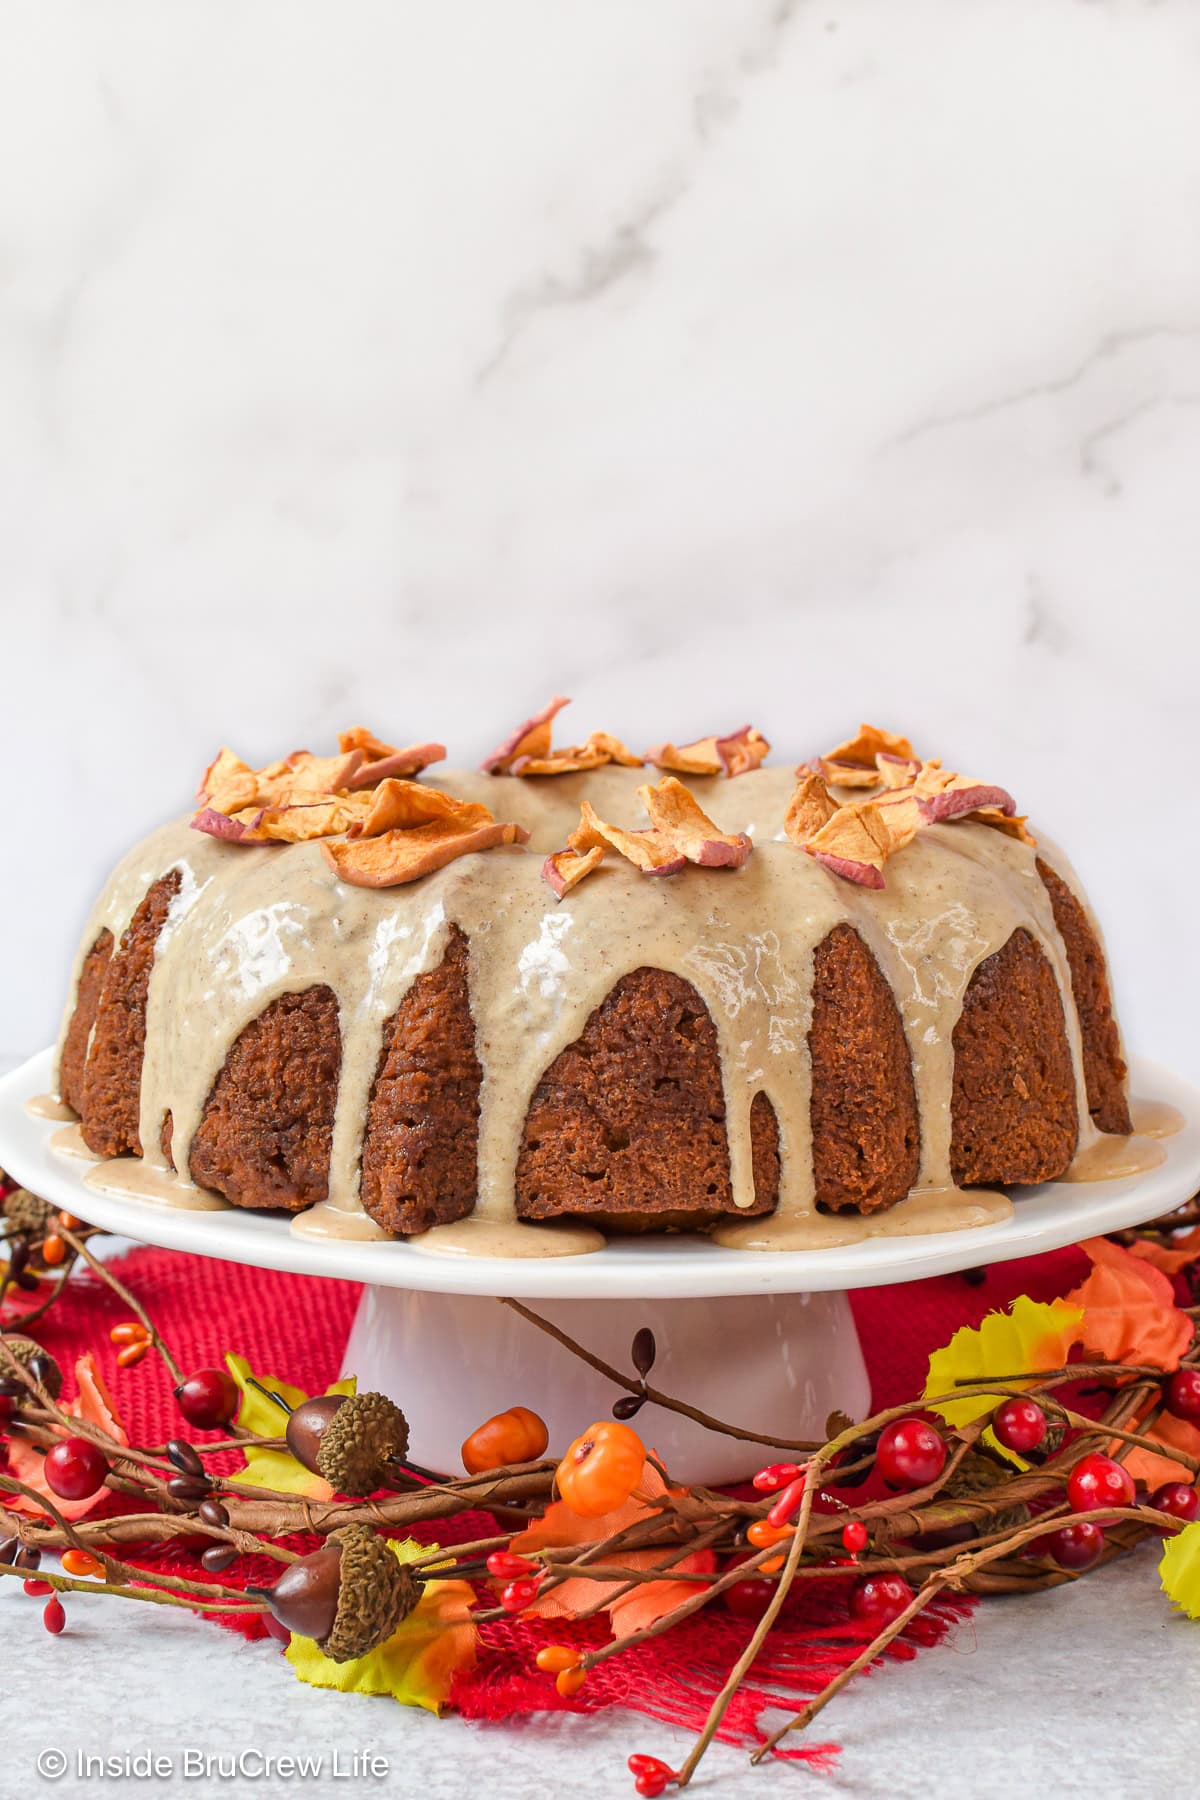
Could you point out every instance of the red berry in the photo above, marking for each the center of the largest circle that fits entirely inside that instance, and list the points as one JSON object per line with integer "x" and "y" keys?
{"x": 1182, "y": 1395}
{"x": 507, "y": 1567}
{"x": 748, "y": 1599}
{"x": 910, "y": 1454}
{"x": 786, "y": 1503}
{"x": 1019, "y": 1425}
{"x": 518, "y": 1595}
{"x": 650, "y": 1774}
{"x": 1075, "y": 1546}
{"x": 1178, "y": 1499}
{"x": 8, "y": 1407}
{"x": 1099, "y": 1481}
{"x": 35, "y": 1587}
{"x": 775, "y": 1475}
{"x": 854, "y": 1536}
{"x": 208, "y": 1399}
{"x": 75, "y": 1468}
{"x": 876, "y": 1600}
{"x": 53, "y": 1616}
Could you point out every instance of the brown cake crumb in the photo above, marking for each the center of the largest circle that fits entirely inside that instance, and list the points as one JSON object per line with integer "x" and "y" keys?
{"x": 111, "y": 1089}
{"x": 266, "y": 1132}
{"x": 87, "y": 998}
{"x": 1104, "y": 1070}
{"x": 418, "y": 1157}
{"x": 866, "y": 1133}
{"x": 627, "y": 1126}
{"x": 1013, "y": 1106}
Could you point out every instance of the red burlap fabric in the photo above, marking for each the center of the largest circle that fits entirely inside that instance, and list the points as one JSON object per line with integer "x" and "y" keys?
{"x": 295, "y": 1327}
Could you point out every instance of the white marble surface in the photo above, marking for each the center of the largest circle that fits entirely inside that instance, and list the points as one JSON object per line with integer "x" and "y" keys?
{"x": 1111, "y": 1713}
{"x": 791, "y": 360}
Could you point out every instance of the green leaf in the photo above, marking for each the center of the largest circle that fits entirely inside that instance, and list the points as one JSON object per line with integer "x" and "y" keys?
{"x": 417, "y": 1664}
{"x": 1179, "y": 1570}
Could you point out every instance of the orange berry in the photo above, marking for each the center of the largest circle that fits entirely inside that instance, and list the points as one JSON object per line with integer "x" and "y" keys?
{"x": 601, "y": 1469}
{"x": 569, "y": 1682}
{"x": 80, "y": 1562}
{"x": 772, "y": 1565}
{"x": 515, "y": 1436}
{"x": 762, "y": 1534}
{"x": 132, "y": 1331}
{"x": 132, "y": 1354}
{"x": 555, "y": 1659}
{"x": 54, "y": 1251}
{"x": 69, "y": 1222}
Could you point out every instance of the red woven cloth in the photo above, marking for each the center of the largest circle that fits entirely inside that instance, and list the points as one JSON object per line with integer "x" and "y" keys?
{"x": 295, "y": 1327}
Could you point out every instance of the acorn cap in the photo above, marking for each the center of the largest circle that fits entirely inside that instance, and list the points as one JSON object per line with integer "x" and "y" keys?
{"x": 362, "y": 1443}
{"x": 376, "y": 1593}
{"x": 24, "y": 1349}
{"x": 28, "y": 1213}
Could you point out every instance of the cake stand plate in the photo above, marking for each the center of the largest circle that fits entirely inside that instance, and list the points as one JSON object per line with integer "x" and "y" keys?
{"x": 763, "y": 1338}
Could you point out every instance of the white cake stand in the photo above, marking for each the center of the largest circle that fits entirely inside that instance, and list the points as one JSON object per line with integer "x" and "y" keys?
{"x": 763, "y": 1339}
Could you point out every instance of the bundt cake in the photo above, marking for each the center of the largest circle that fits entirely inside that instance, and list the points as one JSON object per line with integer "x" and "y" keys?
{"x": 797, "y": 1006}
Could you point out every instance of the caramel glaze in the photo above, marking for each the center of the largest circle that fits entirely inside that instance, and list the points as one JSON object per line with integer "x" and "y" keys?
{"x": 250, "y": 923}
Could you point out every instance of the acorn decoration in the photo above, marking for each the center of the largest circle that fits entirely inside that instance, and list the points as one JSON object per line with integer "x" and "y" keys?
{"x": 349, "y": 1596}
{"x": 39, "y": 1362}
{"x": 356, "y": 1442}
{"x": 27, "y": 1213}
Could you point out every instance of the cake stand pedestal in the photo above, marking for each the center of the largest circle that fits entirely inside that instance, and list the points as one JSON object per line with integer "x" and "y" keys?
{"x": 762, "y": 1339}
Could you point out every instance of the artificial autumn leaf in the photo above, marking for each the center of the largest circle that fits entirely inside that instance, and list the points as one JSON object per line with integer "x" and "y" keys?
{"x": 421, "y": 1658}
{"x": 1152, "y": 1469}
{"x": 1179, "y": 1570}
{"x": 560, "y": 1528}
{"x": 1030, "y": 1338}
{"x": 1129, "y": 1311}
{"x": 1170, "y": 1257}
{"x": 93, "y": 1404}
{"x": 275, "y": 1469}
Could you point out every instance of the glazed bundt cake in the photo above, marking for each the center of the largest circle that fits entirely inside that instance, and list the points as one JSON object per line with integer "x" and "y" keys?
{"x": 804, "y": 998}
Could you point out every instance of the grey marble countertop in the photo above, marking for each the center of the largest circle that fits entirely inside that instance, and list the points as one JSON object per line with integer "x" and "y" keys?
{"x": 1083, "y": 1691}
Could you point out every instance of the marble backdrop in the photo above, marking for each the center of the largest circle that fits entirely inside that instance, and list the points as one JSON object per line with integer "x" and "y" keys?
{"x": 703, "y": 359}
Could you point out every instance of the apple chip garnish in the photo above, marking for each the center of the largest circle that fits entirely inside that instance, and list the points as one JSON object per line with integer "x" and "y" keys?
{"x": 381, "y": 760}
{"x": 1014, "y": 825}
{"x": 565, "y": 869}
{"x": 868, "y": 743}
{"x": 854, "y": 844}
{"x": 599, "y": 750}
{"x": 397, "y": 857}
{"x": 530, "y": 739}
{"x": 650, "y": 851}
{"x": 677, "y": 815}
{"x": 811, "y": 807}
{"x": 733, "y": 754}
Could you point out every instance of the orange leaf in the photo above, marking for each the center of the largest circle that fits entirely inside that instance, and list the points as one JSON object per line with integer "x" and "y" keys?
{"x": 1169, "y": 1258}
{"x": 1129, "y": 1312}
{"x": 93, "y": 1404}
{"x": 1171, "y": 1433}
{"x": 560, "y": 1528}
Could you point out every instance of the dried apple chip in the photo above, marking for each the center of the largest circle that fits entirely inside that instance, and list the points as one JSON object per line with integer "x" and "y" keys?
{"x": 676, "y": 815}
{"x": 400, "y": 805}
{"x": 565, "y": 869}
{"x": 868, "y": 743}
{"x": 650, "y": 851}
{"x": 1014, "y": 825}
{"x": 530, "y": 739}
{"x": 854, "y": 844}
{"x": 397, "y": 857}
{"x": 235, "y": 828}
{"x": 383, "y": 759}
{"x": 734, "y": 754}
{"x": 599, "y": 750}
{"x": 962, "y": 795}
{"x": 811, "y": 807}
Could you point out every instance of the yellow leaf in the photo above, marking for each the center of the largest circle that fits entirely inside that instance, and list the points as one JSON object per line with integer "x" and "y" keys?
{"x": 420, "y": 1659}
{"x": 1027, "y": 1340}
{"x": 275, "y": 1469}
{"x": 1179, "y": 1570}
